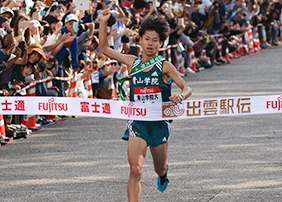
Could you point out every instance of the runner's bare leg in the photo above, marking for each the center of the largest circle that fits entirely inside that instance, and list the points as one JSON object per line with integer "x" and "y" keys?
{"x": 159, "y": 155}
{"x": 136, "y": 152}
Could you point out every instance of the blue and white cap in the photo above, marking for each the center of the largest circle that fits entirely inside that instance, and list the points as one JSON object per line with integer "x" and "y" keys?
{"x": 6, "y": 10}
{"x": 71, "y": 17}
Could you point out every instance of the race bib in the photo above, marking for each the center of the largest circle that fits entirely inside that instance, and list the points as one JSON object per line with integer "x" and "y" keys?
{"x": 150, "y": 94}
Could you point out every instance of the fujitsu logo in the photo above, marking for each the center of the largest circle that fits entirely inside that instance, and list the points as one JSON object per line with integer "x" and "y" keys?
{"x": 51, "y": 106}
{"x": 276, "y": 104}
{"x": 130, "y": 110}
{"x": 146, "y": 90}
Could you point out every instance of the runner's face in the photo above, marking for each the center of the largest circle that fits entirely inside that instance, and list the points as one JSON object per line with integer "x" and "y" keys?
{"x": 150, "y": 42}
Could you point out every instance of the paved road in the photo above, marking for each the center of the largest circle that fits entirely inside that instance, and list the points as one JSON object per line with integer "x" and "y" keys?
{"x": 224, "y": 159}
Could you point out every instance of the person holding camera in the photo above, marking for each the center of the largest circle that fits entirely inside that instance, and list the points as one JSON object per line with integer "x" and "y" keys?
{"x": 216, "y": 17}
{"x": 232, "y": 8}
{"x": 6, "y": 33}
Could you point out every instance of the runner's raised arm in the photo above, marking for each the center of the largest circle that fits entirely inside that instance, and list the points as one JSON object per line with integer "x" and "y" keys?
{"x": 103, "y": 40}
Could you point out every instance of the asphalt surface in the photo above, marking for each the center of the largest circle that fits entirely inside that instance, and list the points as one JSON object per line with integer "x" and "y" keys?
{"x": 224, "y": 159}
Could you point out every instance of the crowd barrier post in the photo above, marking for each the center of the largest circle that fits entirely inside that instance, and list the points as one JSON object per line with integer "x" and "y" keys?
{"x": 125, "y": 73}
{"x": 30, "y": 120}
{"x": 169, "y": 53}
{"x": 192, "y": 59}
{"x": 219, "y": 45}
{"x": 49, "y": 83}
{"x": 227, "y": 54}
{"x": 179, "y": 61}
{"x": 88, "y": 85}
{"x": 234, "y": 53}
{"x": 280, "y": 28}
{"x": 204, "y": 53}
{"x": 73, "y": 87}
{"x": 3, "y": 131}
{"x": 241, "y": 48}
{"x": 251, "y": 42}
{"x": 256, "y": 39}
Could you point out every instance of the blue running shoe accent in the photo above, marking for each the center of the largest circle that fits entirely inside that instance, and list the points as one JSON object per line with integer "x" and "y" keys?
{"x": 162, "y": 185}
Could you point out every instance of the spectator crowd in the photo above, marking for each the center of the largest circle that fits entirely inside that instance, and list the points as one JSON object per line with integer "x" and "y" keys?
{"x": 53, "y": 39}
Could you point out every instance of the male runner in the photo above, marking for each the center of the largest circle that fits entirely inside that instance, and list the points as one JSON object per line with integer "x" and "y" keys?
{"x": 155, "y": 77}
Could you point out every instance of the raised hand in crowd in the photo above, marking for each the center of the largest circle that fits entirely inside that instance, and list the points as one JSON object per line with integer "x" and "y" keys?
{"x": 71, "y": 8}
{"x": 87, "y": 73}
{"x": 10, "y": 48}
{"x": 69, "y": 39}
{"x": 48, "y": 55}
{"x": 6, "y": 3}
{"x": 206, "y": 8}
{"x": 111, "y": 70}
{"x": 15, "y": 59}
{"x": 18, "y": 52}
{"x": 21, "y": 54}
{"x": 49, "y": 73}
{"x": 5, "y": 92}
{"x": 66, "y": 38}
{"x": 43, "y": 41}
{"x": 17, "y": 85}
{"x": 59, "y": 26}
{"x": 113, "y": 32}
{"x": 6, "y": 26}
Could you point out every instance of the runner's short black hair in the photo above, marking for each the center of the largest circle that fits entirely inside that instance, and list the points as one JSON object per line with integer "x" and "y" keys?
{"x": 153, "y": 23}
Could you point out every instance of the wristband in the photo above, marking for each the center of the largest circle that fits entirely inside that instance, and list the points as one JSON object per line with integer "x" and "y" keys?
{"x": 181, "y": 97}
{"x": 9, "y": 32}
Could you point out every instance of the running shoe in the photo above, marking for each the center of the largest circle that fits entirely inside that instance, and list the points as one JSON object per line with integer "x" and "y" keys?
{"x": 44, "y": 121}
{"x": 162, "y": 184}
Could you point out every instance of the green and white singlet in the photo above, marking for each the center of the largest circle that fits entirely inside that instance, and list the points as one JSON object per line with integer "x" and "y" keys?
{"x": 149, "y": 88}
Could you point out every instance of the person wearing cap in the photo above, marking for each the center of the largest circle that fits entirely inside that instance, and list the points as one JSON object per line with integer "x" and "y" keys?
{"x": 69, "y": 48}
{"x": 35, "y": 57}
{"x": 35, "y": 30}
{"x": 35, "y": 54}
{"x": 6, "y": 36}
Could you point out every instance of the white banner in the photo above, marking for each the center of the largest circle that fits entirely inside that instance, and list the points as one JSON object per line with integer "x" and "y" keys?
{"x": 233, "y": 106}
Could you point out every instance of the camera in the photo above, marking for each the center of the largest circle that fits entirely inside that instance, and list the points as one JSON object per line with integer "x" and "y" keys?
{"x": 22, "y": 46}
{"x": 200, "y": 33}
{"x": 216, "y": 7}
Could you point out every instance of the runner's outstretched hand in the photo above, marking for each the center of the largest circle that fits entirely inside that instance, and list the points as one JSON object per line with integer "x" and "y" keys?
{"x": 105, "y": 14}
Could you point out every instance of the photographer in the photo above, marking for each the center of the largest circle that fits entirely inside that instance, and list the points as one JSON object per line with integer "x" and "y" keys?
{"x": 232, "y": 8}
{"x": 198, "y": 18}
{"x": 189, "y": 29}
{"x": 215, "y": 18}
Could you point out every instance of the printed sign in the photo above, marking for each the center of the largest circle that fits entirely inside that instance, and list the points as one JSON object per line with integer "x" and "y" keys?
{"x": 141, "y": 111}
